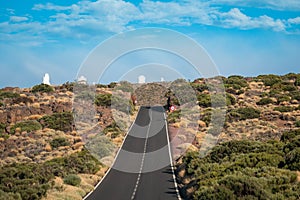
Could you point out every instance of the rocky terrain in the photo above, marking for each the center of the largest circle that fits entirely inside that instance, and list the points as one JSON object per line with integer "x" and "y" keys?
{"x": 50, "y": 126}
{"x": 38, "y": 125}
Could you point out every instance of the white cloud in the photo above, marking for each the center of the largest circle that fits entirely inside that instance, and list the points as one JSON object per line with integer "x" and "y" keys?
{"x": 50, "y": 6}
{"x": 236, "y": 19}
{"x": 176, "y": 13}
{"x": 294, "y": 20}
{"x": 87, "y": 19}
{"x": 269, "y": 4}
{"x": 18, "y": 19}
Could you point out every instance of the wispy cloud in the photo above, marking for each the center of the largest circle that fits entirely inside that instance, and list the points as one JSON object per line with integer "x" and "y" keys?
{"x": 87, "y": 18}
{"x": 18, "y": 19}
{"x": 50, "y": 6}
{"x": 292, "y": 5}
{"x": 236, "y": 19}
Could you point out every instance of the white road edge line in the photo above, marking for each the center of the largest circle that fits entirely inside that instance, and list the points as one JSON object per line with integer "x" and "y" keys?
{"x": 143, "y": 158}
{"x": 114, "y": 159}
{"x": 171, "y": 162}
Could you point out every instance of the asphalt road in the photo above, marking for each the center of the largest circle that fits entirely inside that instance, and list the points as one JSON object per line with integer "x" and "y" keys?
{"x": 142, "y": 169}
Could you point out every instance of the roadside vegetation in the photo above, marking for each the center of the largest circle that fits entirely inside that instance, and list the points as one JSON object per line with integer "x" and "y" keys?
{"x": 28, "y": 181}
{"x": 244, "y": 170}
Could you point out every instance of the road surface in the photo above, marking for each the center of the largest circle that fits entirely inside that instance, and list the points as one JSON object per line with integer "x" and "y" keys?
{"x": 142, "y": 169}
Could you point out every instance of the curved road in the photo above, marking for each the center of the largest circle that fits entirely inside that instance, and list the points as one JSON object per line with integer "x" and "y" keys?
{"x": 143, "y": 167}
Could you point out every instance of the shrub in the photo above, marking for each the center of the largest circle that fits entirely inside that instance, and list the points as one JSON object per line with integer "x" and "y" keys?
{"x": 270, "y": 80}
{"x": 30, "y": 181}
{"x": 297, "y": 81}
{"x": 59, "y": 142}
{"x": 112, "y": 85}
{"x": 2, "y": 127}
{"x": 101, "y": 86}
{"x": 113, "y": 129}
{"x": 289, "y": 135}
{"x": 264, "y": 101}
{"x": 58, "y": 121}
{"x": 204, "y": 100}
{"x": 122, "y": 104}
{"x": 72, "y": 179}
{"x": 9, "y": 95}
{"x": 42, "y": 88}
{"x": 103, "y": 100}
{"x": 69, "y": 86}
{"x": 284, "y": 108}
{"x": 200, "y": 87}
{"x": 293, "y": 159}
{"x": 282, "y": 98}
{"x": 244, "y": 113}
{"x": 289, "y": 88}
{"x": 28, "y": 126}
{"x": 9, "y": 196}
{"x": 217, "y": 100}
{"x": 124, "y": 86}
{"x": 241, "y": 170}
{"x": 236, "y": 82}
{"x": 174, "y": 116}
{"x": 1, "y": 104}
{"x": 295, "y": 95}
{"x": 101, "y": 146}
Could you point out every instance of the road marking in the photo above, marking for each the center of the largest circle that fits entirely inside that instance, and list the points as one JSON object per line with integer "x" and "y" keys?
{"x": 115, "y": 157}
{"x": 143, "y": 158}
{"x": 171, "y": 160}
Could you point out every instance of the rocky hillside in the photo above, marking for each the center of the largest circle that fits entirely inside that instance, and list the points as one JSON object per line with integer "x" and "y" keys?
{"x": 258, "y": 144}
{"x": 40, "y": 130}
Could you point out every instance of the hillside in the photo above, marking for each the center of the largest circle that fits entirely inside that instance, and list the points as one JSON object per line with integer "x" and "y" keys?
{"x": 259, "y": 142}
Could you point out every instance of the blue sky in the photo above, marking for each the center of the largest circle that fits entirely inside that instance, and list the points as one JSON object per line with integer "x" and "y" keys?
{"x": 242, "y": 37}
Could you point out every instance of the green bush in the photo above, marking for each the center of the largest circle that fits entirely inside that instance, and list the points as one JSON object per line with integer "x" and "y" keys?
{"x": 9, "y": 95}
{"x": 101, "y": 146}
{"x": 9, "y": 196}
{"x": 2, "y": 127}
{"x": 244, "y": 113}
{"x": 112, "y": 85}
{"x": 295, "y": 95}
{"x": 289, "y": 135}
{"x": 236, "y": 82}
{"x": 204, "y": 100}
{"x": 200, "y": 87}
{"x": 297, "y": 81}
{"x": 124, "y": 86}
{"x": 42, "y": 88}
{"x": 293, "y": 159}
{"x": 270, "y": 80}
{"x": 282, "y": 98}
{"x": 72, "y": 179}
{"x": 284, "y": 108}
{"x": 58, "y": 121}
{"x": 101, "y": 86}
{"x": 58, "y": 142}
{"x": 69, "y": 86}
{"x": 297, "y": 123}
{"x": 174, "y": 116}
{"x": 217, "y": 100}
{"x": 242, "y": 170}
{"x": 289, "y": 88}
{"x": 103, "y": 100}
{"x": 28, "y": 126}
{"x": 30, "y": 181}
{"x": 264, "y": 101}
{"x": 1, "y": 104}
{"x": 113, "y": 129}
{"x": 122, "y": 104}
